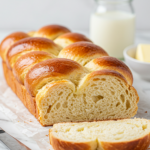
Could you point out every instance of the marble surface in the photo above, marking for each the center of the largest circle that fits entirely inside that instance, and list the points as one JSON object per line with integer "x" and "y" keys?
{"x": 9, "y": 127}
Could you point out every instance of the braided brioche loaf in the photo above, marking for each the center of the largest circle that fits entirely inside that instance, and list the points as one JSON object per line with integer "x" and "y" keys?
{"x": 67, "y": 79}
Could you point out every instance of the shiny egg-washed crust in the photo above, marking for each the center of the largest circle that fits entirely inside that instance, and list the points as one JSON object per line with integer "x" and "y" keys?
{"x": 51, "y": 70}
{"x": 30, "y": 44}
{"x": 74, "y": 37}
{"x": 10, "y": 40}
{"x": 27, "y": 61}
{"x": 69, "y": 38}
{"x": 137, "y": 144}
{"x": 112, "y": 63}
{"x": 51, "y": 31}
{"x": 82, "y": 52}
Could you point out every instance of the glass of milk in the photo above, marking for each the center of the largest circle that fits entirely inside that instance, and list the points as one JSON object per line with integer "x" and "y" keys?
{"x": 112, "y": 26}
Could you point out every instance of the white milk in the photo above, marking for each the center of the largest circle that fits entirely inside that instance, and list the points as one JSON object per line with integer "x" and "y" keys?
{"x": 113, "y": 31}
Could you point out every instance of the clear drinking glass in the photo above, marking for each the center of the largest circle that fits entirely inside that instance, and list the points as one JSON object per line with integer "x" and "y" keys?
{"x": 112, "y": 26}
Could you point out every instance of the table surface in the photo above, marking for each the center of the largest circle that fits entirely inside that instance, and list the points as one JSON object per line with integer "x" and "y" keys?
{"x": 9, "y": 127}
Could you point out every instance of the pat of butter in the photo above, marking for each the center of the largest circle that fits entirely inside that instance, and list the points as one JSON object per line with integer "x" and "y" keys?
{"x": 143, "y": 52}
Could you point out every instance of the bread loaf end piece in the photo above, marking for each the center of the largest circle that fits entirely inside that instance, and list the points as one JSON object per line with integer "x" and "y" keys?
{"x": 127, "y": 134}
{"x": 100, "y": 95}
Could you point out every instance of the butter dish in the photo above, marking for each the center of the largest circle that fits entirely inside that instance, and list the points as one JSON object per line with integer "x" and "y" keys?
{"x": 141, "y": 68}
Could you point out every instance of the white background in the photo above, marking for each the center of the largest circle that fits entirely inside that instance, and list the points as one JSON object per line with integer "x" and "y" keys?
{"x": 32, "y": 14}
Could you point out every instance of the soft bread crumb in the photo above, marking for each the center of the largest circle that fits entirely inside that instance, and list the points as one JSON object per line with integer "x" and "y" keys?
{"x": 121, "y": 131}
{"x": 103, "y": 98}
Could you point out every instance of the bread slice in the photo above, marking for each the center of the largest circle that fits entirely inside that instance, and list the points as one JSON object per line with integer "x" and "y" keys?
{"x": 127, "y": 134}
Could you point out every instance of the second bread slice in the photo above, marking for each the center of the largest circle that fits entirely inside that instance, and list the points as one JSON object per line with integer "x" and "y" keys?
{"x": 127, "y": 134}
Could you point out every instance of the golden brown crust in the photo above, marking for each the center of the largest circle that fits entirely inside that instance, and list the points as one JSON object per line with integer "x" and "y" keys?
{"x": 51, "y": 31}
{"x": 112, "y": 63}
{"x": 83, "y": 49}
{"x": 59, "y": 144}
{"x": 25, "y": 62}
{"x": 10, "y": 40}
{"x": 27, "y": 45}
{"x": 70, "y": 38}
{"x": 82, "y": 52}
{"x": 138, "y": 144}
{"x": 49, "y": 70}
{"x": 74, "y": 37}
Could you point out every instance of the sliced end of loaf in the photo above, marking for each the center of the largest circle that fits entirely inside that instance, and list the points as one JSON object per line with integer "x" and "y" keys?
{"x": 127, "y": 134}
{"x": 100, "y": 97}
